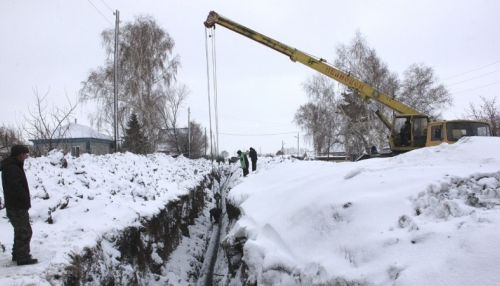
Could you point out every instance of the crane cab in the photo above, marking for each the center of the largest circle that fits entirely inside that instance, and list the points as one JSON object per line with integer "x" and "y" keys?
{"x": 451, "y": 131}
{"x": 410, "y": 132}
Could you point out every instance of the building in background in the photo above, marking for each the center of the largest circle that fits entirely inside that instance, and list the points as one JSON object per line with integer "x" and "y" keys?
{"x": 169, "y": 143}
{"x": 77, "y": 139}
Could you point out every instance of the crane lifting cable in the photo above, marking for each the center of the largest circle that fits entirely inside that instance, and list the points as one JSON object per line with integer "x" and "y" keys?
{"x": 216, "y": 100}
{"x": 210, "y": 54}
{"x": 208, "y": 93}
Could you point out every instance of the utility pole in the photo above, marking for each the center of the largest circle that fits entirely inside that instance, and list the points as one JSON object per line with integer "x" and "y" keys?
{"x": 189, "y": 133}
{"x": 282, "y": 148}
{"x": 298, "y": 149}
{"x": 115, "y": 117}
{"x": 205, "y": 139}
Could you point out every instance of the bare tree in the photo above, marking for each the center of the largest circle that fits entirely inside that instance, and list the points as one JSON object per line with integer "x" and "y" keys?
{"x": 147, "y": 69}
{"x": 196, "y": 145}
{"x": 487, "y": 110}
{"x": 420, "y": 89}
{"x": 169, "y": 111}
{"x": 9, "y": 136}
{"x": 319, "y": 118}
{"x": 309, "y": 118}
{"x": 48, "y": 125}
{"x": 361, "y": 129}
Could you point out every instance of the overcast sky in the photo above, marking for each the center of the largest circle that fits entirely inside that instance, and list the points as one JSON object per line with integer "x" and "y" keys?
{"x": 52, "y": 45}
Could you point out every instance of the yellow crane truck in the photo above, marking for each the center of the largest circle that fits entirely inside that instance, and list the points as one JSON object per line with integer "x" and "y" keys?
{"x": 410, "y": 129}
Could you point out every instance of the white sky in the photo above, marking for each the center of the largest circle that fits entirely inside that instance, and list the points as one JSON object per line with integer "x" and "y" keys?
{"x": 53, "y": 45}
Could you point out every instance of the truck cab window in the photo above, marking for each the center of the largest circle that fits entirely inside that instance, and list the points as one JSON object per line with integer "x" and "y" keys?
{"x": 436, "y": 133}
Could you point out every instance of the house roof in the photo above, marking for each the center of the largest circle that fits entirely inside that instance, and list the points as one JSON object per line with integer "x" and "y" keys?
{"x": 75, "y": 130}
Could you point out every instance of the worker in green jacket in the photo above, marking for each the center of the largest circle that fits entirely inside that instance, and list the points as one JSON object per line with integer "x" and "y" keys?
{"x": 244, "y": 162}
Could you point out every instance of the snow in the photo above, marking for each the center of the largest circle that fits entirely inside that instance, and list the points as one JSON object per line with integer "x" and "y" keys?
{"x": 427, "y": 217}
{"x": 92, "y": 197}
{"x": 74, "y": 130}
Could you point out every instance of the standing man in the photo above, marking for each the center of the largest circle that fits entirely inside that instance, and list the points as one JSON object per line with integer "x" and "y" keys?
{"x": 17, "y": 203}
{"x": 243, "y": 162}
{"x": 405, "y": 133}
{"x": 253, "y": 157}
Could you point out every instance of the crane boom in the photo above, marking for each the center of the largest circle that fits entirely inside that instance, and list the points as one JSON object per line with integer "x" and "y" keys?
{"x": 410, "y": 129}
{"x": 319, "y": 65}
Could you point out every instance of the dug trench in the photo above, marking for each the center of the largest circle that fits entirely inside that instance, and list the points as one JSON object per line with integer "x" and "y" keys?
{"x": 152, "y": 251}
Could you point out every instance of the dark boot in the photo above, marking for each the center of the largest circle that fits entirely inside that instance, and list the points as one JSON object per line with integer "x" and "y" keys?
{"x": 27, "y": 261}
{"x": 14, "y": 258}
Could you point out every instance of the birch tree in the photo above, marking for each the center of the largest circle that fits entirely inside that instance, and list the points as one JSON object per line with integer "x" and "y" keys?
{"x": 147, "y": 68}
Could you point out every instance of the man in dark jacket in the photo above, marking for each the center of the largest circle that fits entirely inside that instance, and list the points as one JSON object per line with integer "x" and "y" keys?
{"x": 253, "y": 157}
{"x": 17, "y": 203}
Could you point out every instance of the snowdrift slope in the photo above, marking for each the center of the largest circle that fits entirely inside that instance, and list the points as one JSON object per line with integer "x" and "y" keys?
{"x": 427, "y": 217}
{"x": 94, "y": 196}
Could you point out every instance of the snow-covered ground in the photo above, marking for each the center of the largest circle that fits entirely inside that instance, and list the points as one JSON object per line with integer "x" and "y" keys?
{"x": 427, "y": 217}
{"x": 95, "y": 195}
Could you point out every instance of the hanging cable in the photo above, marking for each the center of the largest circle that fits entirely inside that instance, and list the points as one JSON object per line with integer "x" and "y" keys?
{"x": 208, "y": 92}
{"x": 476, "y": 88}
{"x": 260, "y": 135}
{"x": 107, "y": 6}
{"x": 472, "y": 70}
{"x": 214, "y": 75}
{"x": 99, "y": 11}
{"x": 472, "y": 78}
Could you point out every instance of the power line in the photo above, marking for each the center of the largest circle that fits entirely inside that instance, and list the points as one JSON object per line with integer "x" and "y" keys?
{"x": 99, "y": 11}
{"x": 106, "y": 4}
{"x": 234, "y": 118}
{"x": 476, "y": 77}
{"x": 267, "y": 134}
{"x": 473, "y": 70}
{"x": 478, "y": 87}
{"x": 256, "y": 121}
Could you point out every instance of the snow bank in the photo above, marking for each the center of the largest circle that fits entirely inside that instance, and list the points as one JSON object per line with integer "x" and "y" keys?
{"x": 95, "y": 195}
{"x": 427, "y": 217}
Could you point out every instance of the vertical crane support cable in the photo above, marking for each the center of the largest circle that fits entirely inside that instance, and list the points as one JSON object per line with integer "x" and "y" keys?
{"x": 208, "y": 92}
{"x": 214, "y": 75}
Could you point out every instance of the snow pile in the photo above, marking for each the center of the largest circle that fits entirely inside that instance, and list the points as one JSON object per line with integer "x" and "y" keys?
{"x": 95, "y": 195}
{"x": 427, "y": 217}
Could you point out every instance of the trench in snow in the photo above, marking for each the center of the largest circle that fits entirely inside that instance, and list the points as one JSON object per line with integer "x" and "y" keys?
{"x": 178, "y": 246}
